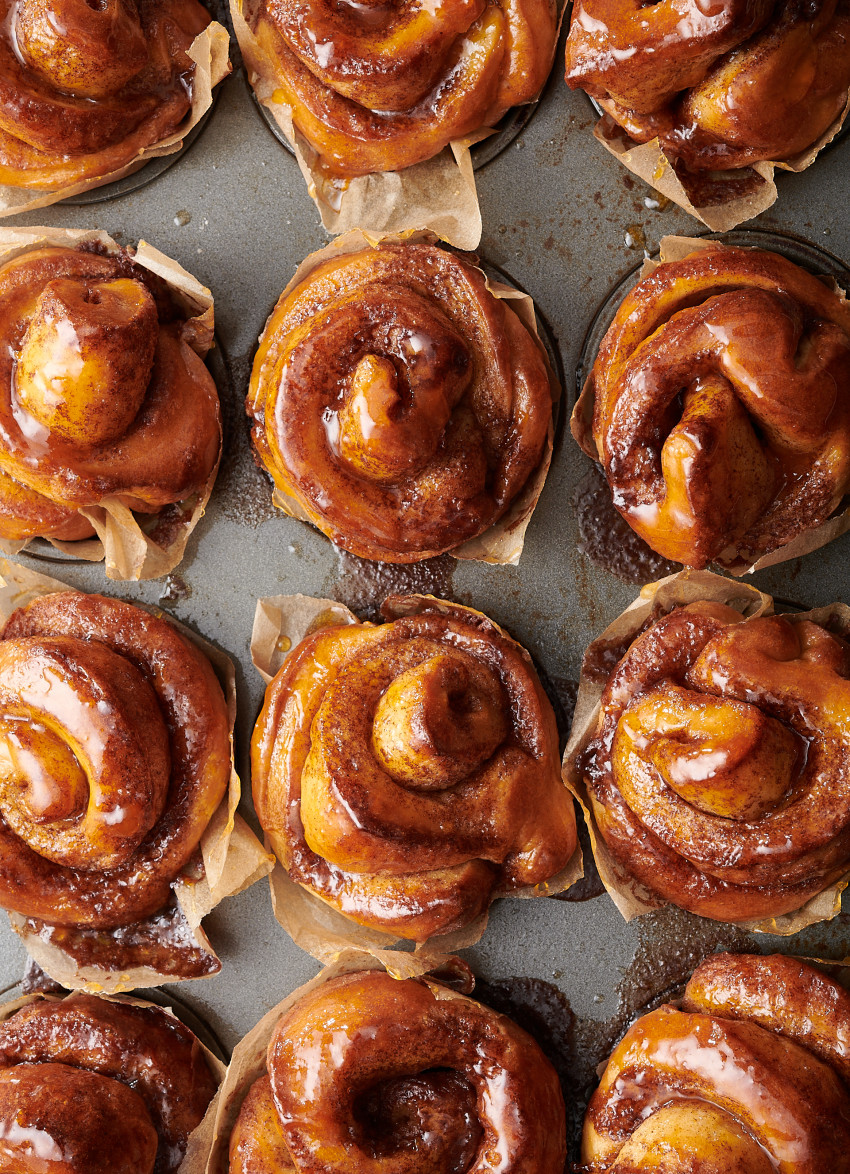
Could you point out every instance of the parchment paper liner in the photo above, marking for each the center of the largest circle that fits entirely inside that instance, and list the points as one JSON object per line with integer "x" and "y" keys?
{"x": 280, "y": 624}
{"x": 209, "y": 1154}
{"x": 749, "y": 190}
{"x": 232, "y": 855}
{"x": 217, "y": 1067}
{"x": 502, "y": 542}
{"x": 675, "y": 248}
{"x": 130, "y": 552}
{"x": 210, "y": 51}
{"x": 438, "y": 194}
{"x": 628, "y": 894}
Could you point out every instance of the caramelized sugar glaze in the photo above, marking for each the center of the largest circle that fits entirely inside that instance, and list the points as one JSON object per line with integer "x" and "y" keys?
{"x": 721, "y": 83}
{"x": 399, "y": 402}
{"x": 722, "y": 405}
{"x": 84, "y": 87}
{"x": 749, "y": 1076}
{"x": 102, "y": 395}
{"x": 114, "y": 754}
{"x": 373, "y": 1075}
{"x": 407, "y": 773}
{"x": 95, "y": 1087}
{"x": 719, "y": 771}
{"x": 380, "y": 86}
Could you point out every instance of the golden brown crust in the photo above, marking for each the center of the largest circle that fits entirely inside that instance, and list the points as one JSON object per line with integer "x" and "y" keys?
{"x": 398, "y": 401}
{"x": 718, "y": 772}
{"x": 109, "y": 1087}
{"x": 722, "y": 405}
{"x": 370, "y": 1073}
{"x": 456, "y": 794}
{"x": 732, "y": 1082}
{"x": 379, "y": 90}
{"x": 91, "y": 686}
{"x": 100, "y": 396}
{"x": 723, "y": 87}
{"x": 84, "y": 89}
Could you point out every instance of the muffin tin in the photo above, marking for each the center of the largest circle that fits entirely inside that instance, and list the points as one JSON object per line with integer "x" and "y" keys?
{"x": 565, "y": 222}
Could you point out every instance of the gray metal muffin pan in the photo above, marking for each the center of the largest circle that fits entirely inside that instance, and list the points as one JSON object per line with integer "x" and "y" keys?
{"x": 567, "y": 223}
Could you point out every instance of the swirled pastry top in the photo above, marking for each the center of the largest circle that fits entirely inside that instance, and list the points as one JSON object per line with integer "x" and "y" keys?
{"x": 722, "y": 405}
{"x": 400, "y": 403}
{"x": 721, "y": 85}
{"x": 90, "y": 1086}
{"x": 720, "y": 768}
{"x": 85, "y": 87}
{"x": 370, "y": 1074}
{"x": 749, "y": 1076}
{"x": 101, "y": 395}
{"x": 114, "y": 754}
{"x": 407, "y": 773}
{"x": 377, "y": 87}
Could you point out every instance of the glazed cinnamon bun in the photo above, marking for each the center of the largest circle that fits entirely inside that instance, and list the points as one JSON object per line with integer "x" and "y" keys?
{"x": 375, "y": 89}
{"x": 104, "y": 396}
{"x": 749, "y": 1076}
{"x": 722, "y": 405}
{"x": 114, "y": 755}
{"x": 718, "y": 770}
{"x": 90, "y": 1086}
{"x": 722, "y": 87}
{"x": 85, "y": 88}
{"x": 407, "y": 773}
{"x": 369, "y": 1073}
{"x": 401, "y": 405}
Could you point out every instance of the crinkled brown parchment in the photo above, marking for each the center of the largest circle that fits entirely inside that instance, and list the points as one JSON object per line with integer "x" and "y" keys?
{"x": 231, "y": 856}
{"x": 628, "y": 894}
